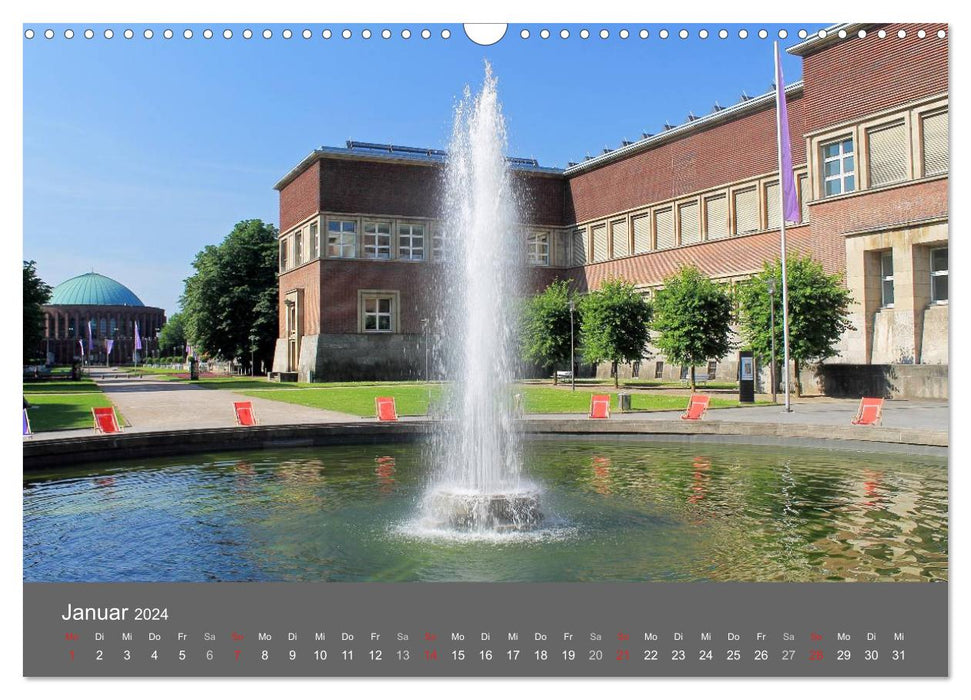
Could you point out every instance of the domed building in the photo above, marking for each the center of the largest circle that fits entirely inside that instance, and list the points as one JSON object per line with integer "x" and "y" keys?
{"x": 87, "y": 311}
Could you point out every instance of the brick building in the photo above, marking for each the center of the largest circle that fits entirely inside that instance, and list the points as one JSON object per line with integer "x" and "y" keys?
{"x": 868, "y": 123}
{"x": 110, "y": 309}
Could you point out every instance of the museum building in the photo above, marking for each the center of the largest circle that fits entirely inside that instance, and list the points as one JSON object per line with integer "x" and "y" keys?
{"x": 360, "y": 234}
{"x": 106, "y": 307}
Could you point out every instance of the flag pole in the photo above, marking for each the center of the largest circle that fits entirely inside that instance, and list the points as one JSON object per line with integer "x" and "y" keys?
{"x": 781, "y": 95}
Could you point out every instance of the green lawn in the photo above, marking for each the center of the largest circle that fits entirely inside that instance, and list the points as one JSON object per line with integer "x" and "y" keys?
{"x": 61, "y": 386}
{"x": 65, "y": 411}
{"x": 548, "y": 400}
{"x": 412, "y": 399}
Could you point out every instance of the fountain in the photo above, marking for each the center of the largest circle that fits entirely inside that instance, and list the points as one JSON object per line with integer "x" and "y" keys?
{"x": 479, "y": 486}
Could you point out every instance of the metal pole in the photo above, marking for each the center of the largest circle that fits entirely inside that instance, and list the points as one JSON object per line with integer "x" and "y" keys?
{"x": 573, "y": 364}
{"x": 782, "y": 231}
{"x": 772, "y": 328}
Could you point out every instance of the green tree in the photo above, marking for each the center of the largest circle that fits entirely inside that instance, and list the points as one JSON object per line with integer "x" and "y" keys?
{"x": 693, "y": 318}
{"x": 818, "y": 312}
{"x": 229, "y": 304}
{"x": 545, "y": 330}
{"x": 173, "y": 334}
{"x": 614, "y": 325}
{"x": 36, "y": 294}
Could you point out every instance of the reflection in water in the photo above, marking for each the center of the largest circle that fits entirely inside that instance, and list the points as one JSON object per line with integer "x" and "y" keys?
{"x": 385, "y": 472}
{"x": 624, "y": 511}
{"x": 601, "y": 475}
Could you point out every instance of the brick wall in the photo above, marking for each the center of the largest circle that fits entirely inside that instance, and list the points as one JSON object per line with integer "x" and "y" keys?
{"x": 733, "y": 151}
{"x": 341, "y": 280}
{"x": 877, "y": 208}
{"x": 306, "y": 278}
{"x": 300, "y": 198}
{"x": 400, "y": 189}
{"x": 857, "y": 77}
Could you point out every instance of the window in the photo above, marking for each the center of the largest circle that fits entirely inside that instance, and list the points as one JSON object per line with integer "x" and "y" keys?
{"x": 342, "y": 239}
{"x": 939, "y": 275}
{"x": 747, "y": 211}
{"x": 377, "y": 240}
{"x": 886, "y": 278}
{"x": 599, "y": 234}
{"x": 772, "y": 206}
{"x": 805, "y": 195}
{"x": 888, "y": 154}
{"x": 716, "y": 217}
{"x": 411, "y": 241}
{"x": 934, "y": 128}
{"x": 378, "y": 314}
{"x": 580, "y": 247}
{"x": 839, "y": 168}
{"x": 618, "y": 236}
{"x": 538, "y": 249}
{"x": 314, "y": 242}
{"x": 642, "y": 233}
{"x": 103, "y": 327}
{"x": 283, "y": 253}
{"x": 659, "y": 369}
{"x": 298, "y": 248}
{"x": 664, "y": 225}
{"x": 690, "y": 223}
{"x": 438, "y": 243}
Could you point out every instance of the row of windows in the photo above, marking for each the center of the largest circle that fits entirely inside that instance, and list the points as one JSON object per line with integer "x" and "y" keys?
{"x": 71, "y": 326}
{"x": 937, "y": 278}
{"x": 891, "y": 153}
{"x": 382, "y": 240}
{"x": 709, "y": 217}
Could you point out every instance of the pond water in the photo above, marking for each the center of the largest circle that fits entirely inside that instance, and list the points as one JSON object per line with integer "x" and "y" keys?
{"x": 614, "y": 511}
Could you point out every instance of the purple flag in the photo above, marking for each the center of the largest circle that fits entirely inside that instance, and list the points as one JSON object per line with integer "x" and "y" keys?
{"x": 138, "y": 339}
{"x": 790, "y": 201}
{"x": 108, "y": 345}
{"x": 90, "y": 344}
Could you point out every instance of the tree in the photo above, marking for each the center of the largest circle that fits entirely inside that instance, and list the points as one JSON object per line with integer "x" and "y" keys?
{"x": 229, "y": 304}
{"x": 545, "y": 335}
{"x": 818, "y": 312}
{"x": 36, "y": 294}
{"x": 693, "y": 317}
{"x": 173, "y": 334}
{"x": 614, "y": 322}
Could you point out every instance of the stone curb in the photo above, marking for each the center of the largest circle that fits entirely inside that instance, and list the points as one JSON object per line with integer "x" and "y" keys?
{"x": 45, "y": 454}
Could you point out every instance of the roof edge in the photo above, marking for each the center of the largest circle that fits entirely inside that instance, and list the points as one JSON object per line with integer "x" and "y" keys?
{"x": 830, "y": 35}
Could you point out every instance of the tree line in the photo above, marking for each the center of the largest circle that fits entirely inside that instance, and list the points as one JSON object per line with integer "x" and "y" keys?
{"x": 690, "y": 318}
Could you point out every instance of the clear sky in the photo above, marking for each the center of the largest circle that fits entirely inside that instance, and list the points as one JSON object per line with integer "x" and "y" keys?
{"x": 139, "y": 152}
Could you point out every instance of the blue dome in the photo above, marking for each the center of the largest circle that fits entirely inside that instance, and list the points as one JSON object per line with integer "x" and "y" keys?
{"x": 92, "y": 289}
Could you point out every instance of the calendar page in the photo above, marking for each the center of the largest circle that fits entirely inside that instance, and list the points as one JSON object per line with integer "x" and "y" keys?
{"x": 529, "y": 350}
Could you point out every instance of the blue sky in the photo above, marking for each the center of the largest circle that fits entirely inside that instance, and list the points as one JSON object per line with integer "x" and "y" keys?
{"x": 138, "y": 153}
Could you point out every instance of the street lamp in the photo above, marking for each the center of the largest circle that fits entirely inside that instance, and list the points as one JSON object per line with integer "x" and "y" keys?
{"x": 771, "y": 285}
{"x": 573, "y": 365}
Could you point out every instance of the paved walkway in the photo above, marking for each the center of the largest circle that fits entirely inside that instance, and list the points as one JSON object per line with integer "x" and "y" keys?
{"x": 149, "y": 404}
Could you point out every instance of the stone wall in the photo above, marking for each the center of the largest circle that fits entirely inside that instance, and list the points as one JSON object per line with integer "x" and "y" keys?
{"x": 361, "y": 357}
{"x": 887, "y": 381}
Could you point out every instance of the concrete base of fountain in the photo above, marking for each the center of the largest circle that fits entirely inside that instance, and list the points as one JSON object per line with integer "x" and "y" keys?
{"x": 500, "y": 512}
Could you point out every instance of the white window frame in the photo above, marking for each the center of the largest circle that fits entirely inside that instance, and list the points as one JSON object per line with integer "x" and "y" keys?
{"x": 538, "y": 249}
{"x": 314, "y": 252}
{"x": 369, "y": 301}
{"x": 298, "y": 247}
{"x": 343, "y": 238}
{"x": 840, "y": 157}
{"x": 885, "y": 278}
{"x": 411, "y": 241}
{"x": 379, "y": 247}
{"x": 939, "y": 273}
{"x": 284, "y": 253}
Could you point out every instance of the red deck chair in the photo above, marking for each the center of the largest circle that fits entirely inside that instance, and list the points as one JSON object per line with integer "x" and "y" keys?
{"x": 244, "y": 413}
{"x": 697, "y": 405}
{"x": 27, "y": 431}
{"x": 600, "y": 406}
{"x": 870, "y": 413}
{"x": 385, "y": 409}
{"x": 105, "y": 420}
